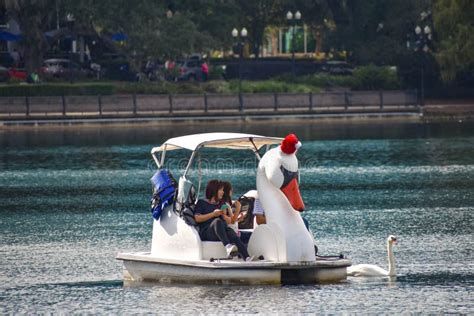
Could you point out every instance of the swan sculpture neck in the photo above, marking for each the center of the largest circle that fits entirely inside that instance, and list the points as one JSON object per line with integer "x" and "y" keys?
{"x": 280, "y": 206}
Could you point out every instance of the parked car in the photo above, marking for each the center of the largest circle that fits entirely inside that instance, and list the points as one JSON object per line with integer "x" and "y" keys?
{"x": 18, "y": 73}
{"x": 189, "y": 70}
{"x": 337, "y": 68}
{"x": 64, "y": 68}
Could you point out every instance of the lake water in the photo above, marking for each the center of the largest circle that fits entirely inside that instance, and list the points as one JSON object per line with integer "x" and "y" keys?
{"x": 71, "y": 198}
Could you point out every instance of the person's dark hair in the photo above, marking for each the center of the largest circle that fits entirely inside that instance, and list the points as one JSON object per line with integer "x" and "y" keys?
{"x": 227, "y": 188}
{"x": 212, "y": 187}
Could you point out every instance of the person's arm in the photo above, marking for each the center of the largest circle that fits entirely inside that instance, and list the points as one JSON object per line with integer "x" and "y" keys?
{"x": 260, "y": 219}
{"x": 235, "y": 216}
{"x": 228, "y": 219}
{"x": 225, "y": 213}
{"x": 199, "y": 218}
{"x": 202, "y": 207}
{"x": 259, "y": 213}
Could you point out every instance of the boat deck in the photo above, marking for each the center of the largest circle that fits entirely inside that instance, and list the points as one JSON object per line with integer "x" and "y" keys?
{"x": 142, "y": 266}
{"x": 219, "y": 263}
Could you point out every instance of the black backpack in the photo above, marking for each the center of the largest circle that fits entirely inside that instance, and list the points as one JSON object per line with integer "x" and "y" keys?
{"x": 247, "y": 212}
{"x": 188, "y": 215}
{"x": 186, "y": 209}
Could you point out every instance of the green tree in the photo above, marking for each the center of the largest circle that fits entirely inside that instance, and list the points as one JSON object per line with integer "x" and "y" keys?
{"x": 153, "y": 28}
{"x": 256, "y": 15}
{"x": 454, "y": 27}
{"x": 374, "y": 30}
{"x": 33, "y": 17}
{"x": 213, "y": 19}
{"x": 138, "y": 21}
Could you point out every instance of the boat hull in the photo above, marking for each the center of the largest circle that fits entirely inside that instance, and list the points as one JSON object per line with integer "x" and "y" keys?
{"x": 144, "y": 267}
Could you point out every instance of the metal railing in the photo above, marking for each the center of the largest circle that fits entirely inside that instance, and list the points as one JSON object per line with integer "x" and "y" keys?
{"x": 207, "y": 104}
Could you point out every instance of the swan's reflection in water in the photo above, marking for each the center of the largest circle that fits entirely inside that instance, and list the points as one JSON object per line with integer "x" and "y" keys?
{"x": 387, "y": 281}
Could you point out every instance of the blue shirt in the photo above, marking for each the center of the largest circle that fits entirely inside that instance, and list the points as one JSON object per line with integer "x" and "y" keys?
{"x": 203, "y": 207}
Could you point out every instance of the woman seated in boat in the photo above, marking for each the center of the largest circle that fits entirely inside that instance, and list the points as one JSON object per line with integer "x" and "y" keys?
{"x": 213, "y": 222}
{"x": 233, "y": 207}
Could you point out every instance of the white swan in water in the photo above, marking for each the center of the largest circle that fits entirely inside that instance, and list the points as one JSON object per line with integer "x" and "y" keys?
{"x": 370, "y": 270}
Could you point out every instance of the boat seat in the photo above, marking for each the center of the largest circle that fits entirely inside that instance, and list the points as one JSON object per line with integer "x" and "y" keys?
{"x": 215, "y": 249}
{"x": 212, "y": 249}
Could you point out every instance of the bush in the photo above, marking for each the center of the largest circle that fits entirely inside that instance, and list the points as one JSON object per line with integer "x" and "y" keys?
{"x": 165, "y": 87}
{"x": 217, "y": 86}
{"x": 318, "y": 80}
{"x": 330, "y": 81}
{"x": 271, "y": 86}
{"x": 185, "y": 87}
{"x": 160, "y": 87}
{"x": 216, "y": 72}
{"x": 375, "y": 78}
{"x": 364, "y": 78}
{"x": 264, "y": 86}
{"x": 57, "y": 89}
{"x": 14, "y": 80}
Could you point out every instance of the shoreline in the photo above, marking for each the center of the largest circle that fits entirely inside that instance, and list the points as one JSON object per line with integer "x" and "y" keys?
{"x": 428, "y": 114}
{"x": 206, "y": 120}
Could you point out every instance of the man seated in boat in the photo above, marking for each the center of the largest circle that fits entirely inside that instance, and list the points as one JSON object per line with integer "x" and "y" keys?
{"x": 213, "y": 222}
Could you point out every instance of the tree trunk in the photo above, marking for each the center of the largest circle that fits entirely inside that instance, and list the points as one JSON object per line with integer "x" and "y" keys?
{"x": 258, "y": 29}
{"x": 32, "y": 17}
{"x": 33, "y": 58}
{"x": 34, "y": 42}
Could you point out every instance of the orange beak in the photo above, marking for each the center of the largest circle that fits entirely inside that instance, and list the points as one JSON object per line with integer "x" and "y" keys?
{"x": 292, "y": 193}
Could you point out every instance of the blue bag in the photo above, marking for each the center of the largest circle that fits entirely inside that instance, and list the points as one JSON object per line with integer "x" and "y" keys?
{"x": 163, "y": 193}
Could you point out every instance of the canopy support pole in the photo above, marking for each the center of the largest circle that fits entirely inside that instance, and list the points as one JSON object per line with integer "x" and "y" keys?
{"x": 255, "y": 150}
{"x": 163, "y": 154}
{"x": 156, "y": 160}
{"x": 190, "y": 162}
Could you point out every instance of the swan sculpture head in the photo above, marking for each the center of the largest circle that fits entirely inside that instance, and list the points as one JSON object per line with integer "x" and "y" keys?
{"x": 281, "y": 169}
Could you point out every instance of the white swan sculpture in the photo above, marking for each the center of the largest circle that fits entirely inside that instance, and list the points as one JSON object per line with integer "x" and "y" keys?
{"x": 284, "y": 237}
{"x": 370, "y": 270}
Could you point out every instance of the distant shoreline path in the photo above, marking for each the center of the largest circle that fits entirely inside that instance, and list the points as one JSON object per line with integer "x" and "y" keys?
{"x": 260, "y": 109}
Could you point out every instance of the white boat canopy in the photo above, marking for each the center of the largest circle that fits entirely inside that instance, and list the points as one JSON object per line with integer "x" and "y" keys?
{"x": 217, "y": 140}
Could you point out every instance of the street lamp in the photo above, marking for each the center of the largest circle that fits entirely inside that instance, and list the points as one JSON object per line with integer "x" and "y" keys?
{"x": 420, "y": 43}
{"x": 292, "y": 20}
{"x": 240, "y": 42}
{"x": 70, "y": 19}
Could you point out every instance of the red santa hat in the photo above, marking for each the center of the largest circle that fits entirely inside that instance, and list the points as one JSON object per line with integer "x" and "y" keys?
{"x": 290, "y": 144}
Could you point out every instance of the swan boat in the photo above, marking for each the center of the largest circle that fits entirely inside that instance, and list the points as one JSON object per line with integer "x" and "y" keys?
{"x": 284, "y": 244}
